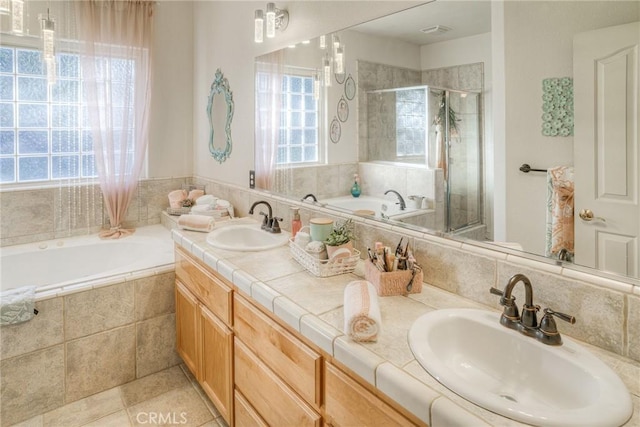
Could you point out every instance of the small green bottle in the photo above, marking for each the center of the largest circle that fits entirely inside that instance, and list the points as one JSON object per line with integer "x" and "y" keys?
{"x": 355, "y": 188}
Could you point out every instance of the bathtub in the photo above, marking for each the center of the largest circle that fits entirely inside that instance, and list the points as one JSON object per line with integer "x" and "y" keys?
{"x": 78, "y": 262}
{"x": 376, "y": 204}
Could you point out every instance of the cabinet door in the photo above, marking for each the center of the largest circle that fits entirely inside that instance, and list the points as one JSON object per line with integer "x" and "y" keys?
{"x": 216, "y": 375}
{"x": 187, "y": 328}
{"x": 347, "y": 403}
{"x": 271, "y": 397}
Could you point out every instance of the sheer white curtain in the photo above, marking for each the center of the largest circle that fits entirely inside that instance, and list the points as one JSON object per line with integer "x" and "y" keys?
{"x": 269, "y": 72}
{"x": 116, "y": 56}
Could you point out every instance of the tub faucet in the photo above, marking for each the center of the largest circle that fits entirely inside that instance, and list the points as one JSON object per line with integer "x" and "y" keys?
{"x": 528, "y": 322}
{"x": 401, "y": 202}
{"x": 314, "y": 198}
{"x": 267, "y": 223}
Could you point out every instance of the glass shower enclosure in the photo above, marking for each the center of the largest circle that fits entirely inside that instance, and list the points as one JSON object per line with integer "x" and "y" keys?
{"x": 441, "y": 129}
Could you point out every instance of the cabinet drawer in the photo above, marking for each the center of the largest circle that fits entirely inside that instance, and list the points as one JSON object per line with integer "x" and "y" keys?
{"x": 287, "y": 356}
{"x": 245, "y": 415}
{"x": 347, "y": 403}
{"x": 210, "y": 290}
{"x": 276, "y": 403}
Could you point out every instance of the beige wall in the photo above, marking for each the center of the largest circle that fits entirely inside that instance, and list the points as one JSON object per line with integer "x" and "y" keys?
{"x": 223, "y": 38}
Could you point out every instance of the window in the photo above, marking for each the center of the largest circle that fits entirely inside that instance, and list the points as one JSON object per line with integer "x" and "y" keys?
{"x": 45, "y": 132}
{"x": 298, "y": 121}
{"x": 411, "y": 129}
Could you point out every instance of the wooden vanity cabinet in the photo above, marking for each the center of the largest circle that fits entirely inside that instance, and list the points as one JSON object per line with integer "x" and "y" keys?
{"x": 204, "y": 338}
{"x": 347, "y": 403}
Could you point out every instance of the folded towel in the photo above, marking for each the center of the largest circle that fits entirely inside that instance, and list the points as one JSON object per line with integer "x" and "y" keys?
{"x": 201, "y": 208}
{"x": 362, "y": 320}
{"x": 207, "y": 199}
{"x": 202, "y": 223}
{"x": 176, "y": 197}
{"x": 195, "y": 194}
{"x": 17, "y": 305}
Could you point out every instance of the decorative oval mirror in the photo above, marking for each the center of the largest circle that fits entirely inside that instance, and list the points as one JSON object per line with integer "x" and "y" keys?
{"x": 220, "y": 116}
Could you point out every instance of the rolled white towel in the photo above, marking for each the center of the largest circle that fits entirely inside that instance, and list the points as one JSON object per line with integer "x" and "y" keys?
{"x": 17, "y": 305}
{"x": 362, "y": 320}
{"x": 202, "y": 223}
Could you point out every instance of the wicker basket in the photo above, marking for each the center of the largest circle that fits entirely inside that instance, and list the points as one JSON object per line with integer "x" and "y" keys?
{"x": 393, "y": 282}
{"x": 326, "y": 267}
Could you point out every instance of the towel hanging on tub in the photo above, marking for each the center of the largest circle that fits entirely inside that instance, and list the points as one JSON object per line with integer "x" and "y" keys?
{"x": 560, "y": 231}
{"x": 17, "y": 305}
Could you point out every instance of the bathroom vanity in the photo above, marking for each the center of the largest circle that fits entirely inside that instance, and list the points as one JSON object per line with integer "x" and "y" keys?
{"x": 264, "y": 339}
{"x": 256, "y": 369}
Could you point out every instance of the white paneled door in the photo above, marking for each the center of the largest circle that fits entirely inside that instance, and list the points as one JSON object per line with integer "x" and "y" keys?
{"x": 606, "y": 65}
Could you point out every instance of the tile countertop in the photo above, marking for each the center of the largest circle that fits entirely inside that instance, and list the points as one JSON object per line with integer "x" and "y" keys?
{"x": 313, "y": 306}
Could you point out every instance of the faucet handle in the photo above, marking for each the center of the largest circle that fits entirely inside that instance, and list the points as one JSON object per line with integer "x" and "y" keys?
{"x": 275, "y": 226}
{"x": 565, "y": 317}
{"x": 265, "y": 222}
{"x": 496, "y": 291}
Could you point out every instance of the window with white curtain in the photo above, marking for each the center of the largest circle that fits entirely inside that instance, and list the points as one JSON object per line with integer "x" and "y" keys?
{"x": 45, "y": 133}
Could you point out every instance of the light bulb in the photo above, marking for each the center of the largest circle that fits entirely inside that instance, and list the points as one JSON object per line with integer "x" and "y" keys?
{"x": 339, "y": 61}
{"x": 5, "y": 7}
{"x": 327, "y": 72}
{"x": 17, "y": 17}
{"x": 258, "y": 26}
{"x": 271, "y": 20}
{"x": 323, "y": 42}
{"x": 47, "y": 26}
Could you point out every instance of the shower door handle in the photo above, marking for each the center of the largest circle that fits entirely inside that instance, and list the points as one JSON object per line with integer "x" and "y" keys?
{"x": 587, "y": 216}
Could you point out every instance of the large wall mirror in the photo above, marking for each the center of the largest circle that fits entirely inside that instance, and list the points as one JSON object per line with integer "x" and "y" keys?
{"x": 427, "y": 119}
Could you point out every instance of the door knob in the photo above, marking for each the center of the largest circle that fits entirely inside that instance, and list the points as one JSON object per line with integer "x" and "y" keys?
{"x": 587, "y": 215}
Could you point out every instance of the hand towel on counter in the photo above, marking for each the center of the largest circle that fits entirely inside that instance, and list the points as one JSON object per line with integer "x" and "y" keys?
{"x": 176, "y": 197}
{"x": 362, "y": 320}
{"x": 192, "y": 222}
{"x": 560, "y": 231}
{"x": 17, "y": 305}
{"x": 206, "y": 200}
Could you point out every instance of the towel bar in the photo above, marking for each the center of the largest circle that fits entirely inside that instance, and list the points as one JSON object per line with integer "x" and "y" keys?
{"x": 526, "y": 169}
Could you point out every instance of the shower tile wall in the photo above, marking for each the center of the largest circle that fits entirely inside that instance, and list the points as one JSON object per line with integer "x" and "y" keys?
{"x": 378, "y": 76}
{"x": 51, "y": 213}
{"x": 86, "y": 342}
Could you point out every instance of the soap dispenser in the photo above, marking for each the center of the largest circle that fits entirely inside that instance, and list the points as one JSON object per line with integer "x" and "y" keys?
{"x": 355, "y": 188}
{"x": 296, "y": 224}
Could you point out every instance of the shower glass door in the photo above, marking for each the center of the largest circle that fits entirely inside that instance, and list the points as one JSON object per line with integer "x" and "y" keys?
{"x": 464, "y": 159}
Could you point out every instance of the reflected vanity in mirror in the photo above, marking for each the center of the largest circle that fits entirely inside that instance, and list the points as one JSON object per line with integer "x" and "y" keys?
{"x": 220, "y": 109}
{"x": 423, "y": 121}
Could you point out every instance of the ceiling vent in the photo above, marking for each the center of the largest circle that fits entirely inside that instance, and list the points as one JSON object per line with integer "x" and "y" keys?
{"x": 436, "y": 30}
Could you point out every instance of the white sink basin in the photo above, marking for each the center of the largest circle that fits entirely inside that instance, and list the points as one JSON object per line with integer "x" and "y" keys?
{"x": 501, "y": 370}
{"x": 245, "y": 237}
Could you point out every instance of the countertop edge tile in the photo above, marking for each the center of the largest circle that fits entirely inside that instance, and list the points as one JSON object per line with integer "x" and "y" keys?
{"x": 243, "y": 281}
{"x": 264, "y": 295}
{"x": 407, "y": 390}
{"x": 319, "y": 332}
{"x": 288, "y": 311}
{"x": 445, "y": 413}
{"x": 226, "y": 269}
{"x": 357, "y": 358}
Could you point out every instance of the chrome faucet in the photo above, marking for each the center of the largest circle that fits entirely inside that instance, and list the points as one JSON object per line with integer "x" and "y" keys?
{"x": 270, "y": 223}
{"x": 401, "y": 202}
{"x": 527, "y": 323}
{"x": 314, "y": 198}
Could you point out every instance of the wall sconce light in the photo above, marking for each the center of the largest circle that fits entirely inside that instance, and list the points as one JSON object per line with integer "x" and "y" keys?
{"x": 326, "y": 71}
{"x": 48, "y": 26}
{"x": 17, "y": 16}
{"x": 276, "y": 19}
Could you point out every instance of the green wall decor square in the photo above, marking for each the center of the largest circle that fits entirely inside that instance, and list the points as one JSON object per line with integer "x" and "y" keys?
{"x": 557, "y": 106}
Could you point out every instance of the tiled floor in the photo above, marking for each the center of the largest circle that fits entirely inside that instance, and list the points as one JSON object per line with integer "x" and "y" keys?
{"x": 169, "y": 397}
